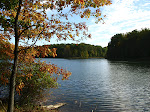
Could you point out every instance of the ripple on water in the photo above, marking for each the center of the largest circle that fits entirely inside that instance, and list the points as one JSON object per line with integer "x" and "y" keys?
{"x": 104, "y": 86}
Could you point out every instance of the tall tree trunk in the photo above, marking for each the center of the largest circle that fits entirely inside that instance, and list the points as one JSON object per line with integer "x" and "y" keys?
{"x": 12, "y": 80}
{"x": 14, "y": 70}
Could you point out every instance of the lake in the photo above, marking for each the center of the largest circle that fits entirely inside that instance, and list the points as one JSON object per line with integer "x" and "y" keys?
{"x": 99, "y": 85}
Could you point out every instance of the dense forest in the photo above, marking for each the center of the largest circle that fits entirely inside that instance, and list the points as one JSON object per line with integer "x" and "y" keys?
{"x": 132, "y": 45}
{"x": 78, "y": 50}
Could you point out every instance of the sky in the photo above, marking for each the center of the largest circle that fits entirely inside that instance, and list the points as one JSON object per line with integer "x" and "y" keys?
{"x": 121, "y": 17}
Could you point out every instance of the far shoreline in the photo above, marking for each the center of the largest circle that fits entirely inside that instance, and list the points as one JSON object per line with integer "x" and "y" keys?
{"x": 74, "y": 57}
{"x": 131, "y": 59}
{"x": 119, "y": 59}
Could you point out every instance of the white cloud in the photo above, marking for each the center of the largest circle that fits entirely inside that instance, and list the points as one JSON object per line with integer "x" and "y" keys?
{"x": 122, "y": 16}
{"x": 146, "y": 4}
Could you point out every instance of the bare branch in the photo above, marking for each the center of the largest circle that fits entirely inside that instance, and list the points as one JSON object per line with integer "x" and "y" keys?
{"x": 33, "y": 43}
{"x": 26, "y": 29}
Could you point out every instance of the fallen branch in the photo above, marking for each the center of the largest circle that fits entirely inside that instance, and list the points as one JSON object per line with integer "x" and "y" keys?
{"x": 56, "y": 106}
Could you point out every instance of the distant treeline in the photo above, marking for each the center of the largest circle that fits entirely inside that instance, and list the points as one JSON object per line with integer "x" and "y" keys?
{"x": 78, "y": 50}
{"x": 132, "y": 45}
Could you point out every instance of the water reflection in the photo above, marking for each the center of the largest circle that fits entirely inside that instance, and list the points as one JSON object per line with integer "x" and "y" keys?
{"x": 104, "y": 86}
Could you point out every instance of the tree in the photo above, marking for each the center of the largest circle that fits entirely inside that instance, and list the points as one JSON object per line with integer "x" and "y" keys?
{"x": 78, "y": 50}
{"x": 67, "y": 51}
{"x": 27, "y": 22}
{"x": 131, "y": 45}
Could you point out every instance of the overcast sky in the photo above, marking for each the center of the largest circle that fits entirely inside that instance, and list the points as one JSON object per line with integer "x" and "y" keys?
{"x": 121, "y": 17}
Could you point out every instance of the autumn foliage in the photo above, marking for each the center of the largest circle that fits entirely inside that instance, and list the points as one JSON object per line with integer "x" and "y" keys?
{"x": 29, "y": 21}
{"x": 28, "y": 67}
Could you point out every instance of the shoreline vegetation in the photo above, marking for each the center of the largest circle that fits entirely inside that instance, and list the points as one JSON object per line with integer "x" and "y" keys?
{"x": 77, "y": 51}
{"x": 130, "y": 46}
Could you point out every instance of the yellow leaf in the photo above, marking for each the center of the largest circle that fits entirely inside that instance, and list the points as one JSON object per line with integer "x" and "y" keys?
{"x": 70, "y": 35}
{"x": 36, "y": 7}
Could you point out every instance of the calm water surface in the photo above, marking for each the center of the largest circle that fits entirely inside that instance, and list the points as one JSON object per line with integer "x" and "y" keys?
{"x": 100, "y": 85}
